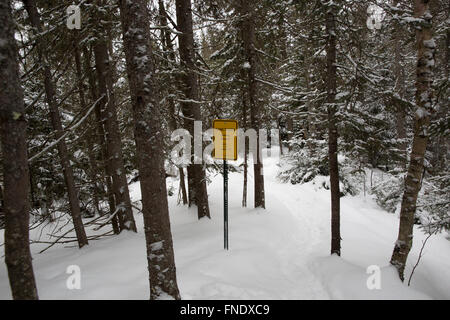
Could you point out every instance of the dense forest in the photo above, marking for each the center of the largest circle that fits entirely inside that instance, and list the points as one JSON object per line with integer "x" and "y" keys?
{"x": 351, "y": 97}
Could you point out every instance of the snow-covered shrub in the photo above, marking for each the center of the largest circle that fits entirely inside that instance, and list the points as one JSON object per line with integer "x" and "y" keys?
{"x": 388, "y": 192}
{"x": 303, "y": 166}
{"x": 434, "y": 204}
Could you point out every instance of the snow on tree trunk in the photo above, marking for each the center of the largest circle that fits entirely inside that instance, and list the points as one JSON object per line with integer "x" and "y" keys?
{"x": 92, "y": 171}
{"x": 113, "y": 140}
{"x": 15, "y": 164}
{"x": 424, "y": 108}
{"x": 332, "y": 129}
{"x": 102, "y": 142}
{"x": 247, "y": 29}
{"x": 149, "y": 144}
{"x": 245, "y": 164}
{"x": 191, "y": 110}
{"x": 30, "y": 6}
{"x": 169, "y": 55}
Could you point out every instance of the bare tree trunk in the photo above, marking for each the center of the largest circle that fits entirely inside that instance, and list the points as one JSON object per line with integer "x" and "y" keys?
{"x": 247, "y": 28}
{"x": 424, "y": 102}
{"x": 173, "y": 126}
{"x": 180, "y": 169}
{"x": 246, "y": 147}
{"x": 332, "y": 130}
{"x": 183, "y": 186}
{"x": 149, "y": 145}
{"x": 113, "y": 141}
{"x": 92, "y": 170}
{"x": 30, "y": 6}
{"x": 196, "y": 173}
{"x": 102, "y": 142}
{"x": 170, "y": 54}
{"x": 15, "y": 165}
{"x": 191, "y": 184}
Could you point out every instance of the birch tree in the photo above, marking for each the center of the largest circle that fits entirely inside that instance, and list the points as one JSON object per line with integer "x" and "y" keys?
{"x": 424, "y": 109}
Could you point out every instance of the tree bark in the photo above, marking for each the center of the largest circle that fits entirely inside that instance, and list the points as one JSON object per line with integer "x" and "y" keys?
{"x": 331, "y": 83}
{"x": 15, "y": 165}
{"x": 424, "y": 105}
{"x": 169, "y": 54}
{"x": 149, "y": 144}
{"x": 247, "y": 29}
{"x": 102, "y": 142}
{"x": 113, "y": 141}
{"x": 246, "y": 147}
{"x": 196, "y": 174}
{"x": 30, "y": 6}
{"x": 92, "y": 170}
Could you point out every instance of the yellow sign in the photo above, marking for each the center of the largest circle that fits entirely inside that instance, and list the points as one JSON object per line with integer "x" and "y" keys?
{"x": 225, "y": 139}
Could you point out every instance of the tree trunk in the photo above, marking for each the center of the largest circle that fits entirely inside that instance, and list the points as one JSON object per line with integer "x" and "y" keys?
{"x": 331, "y": 83}
{"x": 196, "y": 173}
{"x": 15, "y": 165}
{"x": 424, "y": 97}
{"x": 92, "y": 170}
{"x": 183, "y": 186}
{"x": 149, "y": 144}
{"x": 246, "y": 147}
{"x": 102, "y": 143}
{"x": 170, "y": 54}
{"x": 247, "y": 28}
{"x": 113, "y": 141}
{"x": 30, "y": 6}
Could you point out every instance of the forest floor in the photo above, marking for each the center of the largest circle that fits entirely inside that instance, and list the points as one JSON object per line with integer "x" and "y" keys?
{"x": 278, "y": 253}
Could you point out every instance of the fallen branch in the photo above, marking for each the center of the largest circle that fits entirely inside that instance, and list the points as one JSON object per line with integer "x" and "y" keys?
{"x": 108, "y": 220}
{"x": 420, "y": 257}
{"x": 96, "y": 237}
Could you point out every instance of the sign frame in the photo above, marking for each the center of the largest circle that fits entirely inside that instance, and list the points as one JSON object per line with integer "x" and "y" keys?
{"x": 225, "y": 125}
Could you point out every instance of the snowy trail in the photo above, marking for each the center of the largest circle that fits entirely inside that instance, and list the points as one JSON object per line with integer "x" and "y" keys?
{"x": 307, "y": 240}
{"x": 271, "y": 251}
{"x": 278, "y": 253}
{"x": 260, "y": 259}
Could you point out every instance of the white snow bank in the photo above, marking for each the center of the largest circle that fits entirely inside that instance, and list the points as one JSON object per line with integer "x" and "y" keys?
{"x": 278, "y": 253}
{"x": 344, "y": 280}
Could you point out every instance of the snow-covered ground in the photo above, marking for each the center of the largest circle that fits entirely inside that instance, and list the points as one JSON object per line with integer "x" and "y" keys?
{"x": 278, "y": 253}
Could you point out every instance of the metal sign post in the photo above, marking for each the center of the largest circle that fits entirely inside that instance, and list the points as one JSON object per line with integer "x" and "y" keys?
{"x": 225, "y": 148}
{"x": 225, "y": 205}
